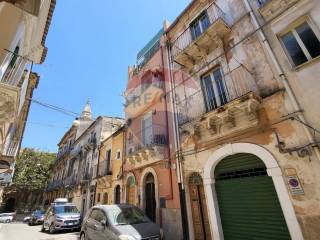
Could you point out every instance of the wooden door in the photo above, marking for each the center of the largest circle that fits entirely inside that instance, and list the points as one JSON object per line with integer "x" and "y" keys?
{"x": 150, "y": 198}
{"x": 117, "y": 195}
{"x": 131, "y": 194}
{"x": 199, "y": 208}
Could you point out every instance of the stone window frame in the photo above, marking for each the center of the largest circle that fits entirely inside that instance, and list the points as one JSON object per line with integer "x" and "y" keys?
{"x": 291, "y": 28}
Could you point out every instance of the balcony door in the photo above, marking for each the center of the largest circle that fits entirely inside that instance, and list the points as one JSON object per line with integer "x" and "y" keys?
{"x": 108, "y": 162}
{"x": 146, "y": 129}
{"x": 199, "y": 25}
{"x": 214, "y": 90}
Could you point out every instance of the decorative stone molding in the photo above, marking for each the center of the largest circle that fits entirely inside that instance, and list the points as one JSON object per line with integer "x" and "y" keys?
{"x": 274, "y": 7}
{"x": 147, "y": 155}
{"x": 233, "y": 117}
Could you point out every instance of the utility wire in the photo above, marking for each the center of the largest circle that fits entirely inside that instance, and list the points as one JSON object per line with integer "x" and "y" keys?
{"x": 250, "y": 34}
{"x": 55, "y": 108}
{"x": 46, "y": 125}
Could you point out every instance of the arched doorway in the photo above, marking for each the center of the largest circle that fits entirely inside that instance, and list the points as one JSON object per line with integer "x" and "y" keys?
{"x": 131, "y": 190}
{"x": 150, "y": 198}
{"x": 248, "y": 203}
{"x": 117, "y": 193}
{"x": 105, "y": 198}
{"x": 10, "y": 205}
{"x": 199, "y": 208}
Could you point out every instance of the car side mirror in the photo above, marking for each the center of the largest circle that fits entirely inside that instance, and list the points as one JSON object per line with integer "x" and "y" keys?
{"x": 103, "y": 222}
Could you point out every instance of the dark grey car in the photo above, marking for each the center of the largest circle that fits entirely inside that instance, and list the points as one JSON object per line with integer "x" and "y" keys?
{"x": 123, "y": 221}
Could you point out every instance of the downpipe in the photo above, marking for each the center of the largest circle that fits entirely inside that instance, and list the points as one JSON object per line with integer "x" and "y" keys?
{"x": 282, "y": 76}
{"x": 182, "y": 195}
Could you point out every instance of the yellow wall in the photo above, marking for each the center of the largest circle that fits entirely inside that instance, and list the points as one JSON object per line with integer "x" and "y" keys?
{"x": 106, "y": 184}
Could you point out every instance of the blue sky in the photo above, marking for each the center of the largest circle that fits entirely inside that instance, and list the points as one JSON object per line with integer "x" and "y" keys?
{"x": 90, "y": 48}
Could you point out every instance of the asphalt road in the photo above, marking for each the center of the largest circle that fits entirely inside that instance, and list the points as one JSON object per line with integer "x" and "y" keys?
{"x": 21, "y": 231}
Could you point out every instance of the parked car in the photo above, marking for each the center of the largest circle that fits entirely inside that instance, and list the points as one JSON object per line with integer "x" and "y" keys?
{"x": 27, "y": 219}
{"x": 6, "y": 217}
{"x": 122, "y": 221}
{"x": 36, "y": 217}
{"x": 61, "y": 216}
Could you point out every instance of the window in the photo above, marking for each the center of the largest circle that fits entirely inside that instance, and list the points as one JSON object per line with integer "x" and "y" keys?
{"x": 14, "y": 57}
{"x": 199, "y": 25}
{"x": 97, "y": 215}
{"x": 262, "y": 2}
{"x": 105, "y": 198}
{"x": 301, "y": 44}
{"x": 146, "y": 130}
{"x": 108, "y": 161}
{"x": 118, "y": 155}
{"x": 98, "y": 197}
{"x": 213, "y": 89}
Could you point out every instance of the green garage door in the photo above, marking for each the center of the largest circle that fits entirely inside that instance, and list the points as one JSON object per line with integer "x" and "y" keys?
{"x": 248, "y": 203}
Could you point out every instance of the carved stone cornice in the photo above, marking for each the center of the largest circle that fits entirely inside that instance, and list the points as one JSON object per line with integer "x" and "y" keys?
{"x": 275, "y": 7}
{"x": 233, "y": 117}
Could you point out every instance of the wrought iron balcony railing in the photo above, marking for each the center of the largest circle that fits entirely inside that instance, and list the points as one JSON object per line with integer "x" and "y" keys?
{"x": 236, "y": 83}
{"x": 212, "y": 16}
{"x": 105, "y": 168}
{"x": 12, "y": 69}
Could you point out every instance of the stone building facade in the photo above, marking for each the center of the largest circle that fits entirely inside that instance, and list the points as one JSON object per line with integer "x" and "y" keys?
{"x": 149, "y": 173}
{"x": 76, "y": 168}
{"x": 249, "y": 148}
{"x": 109, "y": 184}
{"x": 24, "y": 26}
{"x": 221, "y": 139}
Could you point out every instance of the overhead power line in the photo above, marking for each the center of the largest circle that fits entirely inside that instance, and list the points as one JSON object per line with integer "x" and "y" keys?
{"x": 55, "y": 108}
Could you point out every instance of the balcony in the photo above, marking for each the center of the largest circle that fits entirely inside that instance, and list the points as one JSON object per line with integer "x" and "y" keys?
{"x": 91, "y": 143}
{"x": 272, "y": 8}
{"x": 30, "y": 6}
{"x": 63, "y": 152}
{"x": 55, "y": 184}
{"x": 238, "y": 112}
{"x": 142, "y": 97}
{"x": 104, "y": 169}
{"x": 149, "y": 148}
{"x": 14, "y": 78}
{"x": 197, "y": 41}
{"x": 87, "y": 175}
{"x": 71, "y": 181}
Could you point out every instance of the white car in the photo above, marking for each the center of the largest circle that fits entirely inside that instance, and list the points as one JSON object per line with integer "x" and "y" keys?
{"x": 6, "y": 217}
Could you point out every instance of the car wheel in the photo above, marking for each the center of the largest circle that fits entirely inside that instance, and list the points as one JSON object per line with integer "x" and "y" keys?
{"x": 8, "y": 221}
{"x": 52, "y": 229}
{"x": 42, "y": 228}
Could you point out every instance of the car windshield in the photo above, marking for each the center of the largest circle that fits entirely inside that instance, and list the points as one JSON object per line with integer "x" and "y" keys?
{"x": 66, "y": 209}
{"x": 127, "y": 216}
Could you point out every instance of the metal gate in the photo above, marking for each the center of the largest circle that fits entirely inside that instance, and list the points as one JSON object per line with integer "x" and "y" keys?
{"x": 248, "y": 203}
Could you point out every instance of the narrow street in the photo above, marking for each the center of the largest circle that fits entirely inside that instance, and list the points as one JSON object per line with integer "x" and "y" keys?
{"x": 18, "y": 231}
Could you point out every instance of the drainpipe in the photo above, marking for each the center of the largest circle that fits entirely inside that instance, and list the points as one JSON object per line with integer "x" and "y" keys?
{"x": 281, "y": 74}
{"x": 170, "y": 197}
{"x": 182, "y": 195}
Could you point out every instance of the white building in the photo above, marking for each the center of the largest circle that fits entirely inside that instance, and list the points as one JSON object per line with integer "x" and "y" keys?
{"x": 24, "y": 27}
